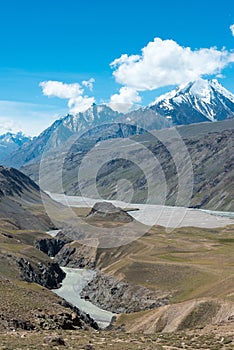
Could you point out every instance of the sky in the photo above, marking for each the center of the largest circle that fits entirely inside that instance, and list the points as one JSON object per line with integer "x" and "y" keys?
{"x": 60, "y": 56}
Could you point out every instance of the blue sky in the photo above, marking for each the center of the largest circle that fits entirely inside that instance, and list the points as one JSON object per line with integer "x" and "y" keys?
{"x": 73, "y": 41}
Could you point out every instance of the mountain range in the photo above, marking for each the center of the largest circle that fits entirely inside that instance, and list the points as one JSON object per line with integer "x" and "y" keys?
{"x": 11, "y": 142}
{"x": 195, "y": 102}
{"x": 70, "y": 138}
{"x": 184, "y": 276}
{"x": 210, "y": 150}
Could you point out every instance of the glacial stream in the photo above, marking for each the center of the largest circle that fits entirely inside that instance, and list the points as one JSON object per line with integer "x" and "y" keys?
{"x": 72, "y": 285}
{"x": 152, "y": 214}
{"x": 169, "y": 217}
{"x": 71, "y": 288}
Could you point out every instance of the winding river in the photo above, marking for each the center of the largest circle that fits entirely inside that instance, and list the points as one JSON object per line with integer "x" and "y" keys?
{"x": 72, "y": 285}
{"x": 166, "y": 216}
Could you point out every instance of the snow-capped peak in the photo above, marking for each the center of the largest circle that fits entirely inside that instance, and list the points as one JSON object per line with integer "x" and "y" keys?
{"x": 199, "y": 88}
{"x": 218, "y": 87}
{"x": 10, "y": 142}
{"x": 18, "y": 138}
{"x": 205, "y": 97}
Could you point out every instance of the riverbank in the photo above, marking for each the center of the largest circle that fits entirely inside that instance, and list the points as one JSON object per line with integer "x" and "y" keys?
{"x": 150, "y": 214}
{"x": 72, "y": 285}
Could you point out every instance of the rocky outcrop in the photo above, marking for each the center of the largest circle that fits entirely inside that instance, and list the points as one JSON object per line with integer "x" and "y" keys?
{"x": 76, "y": 256}
{"x": 68, "y": 318}
{"x": 49, "y": 275}
{"x": 49, "y": 246}
{"x": 62, "y": 235}
{"x": 14, "y": 323}
{"x": 85, "y": 318}
{"x": 63, "y": 320}
{"x": 113, "y": 295}
{"x": 108, "y": 212}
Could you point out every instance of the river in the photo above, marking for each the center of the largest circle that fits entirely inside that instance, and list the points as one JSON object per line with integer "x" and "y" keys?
{"x": 148, "y": 214}
{"x": 152, "y": 214}
{"x": 72, "y": 285}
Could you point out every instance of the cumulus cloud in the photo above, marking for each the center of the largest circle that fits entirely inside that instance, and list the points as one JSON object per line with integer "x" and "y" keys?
{"x": 232, "y": 29}
{"x": 61, "y": 90}
{"x": 8, "y": 125}
{"x": 88, "y": 83}
{"x": 124, "y": 100}
{"x": 80, "y": 104}
{"x": 74, "y": 93}
{"x": 165, "y": 62}
{"x": 30, "y": 117}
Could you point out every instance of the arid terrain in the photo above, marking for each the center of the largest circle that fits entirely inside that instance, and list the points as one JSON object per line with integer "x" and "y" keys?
{"x": 169, "y": 289}
{"x": 116, "y": 175}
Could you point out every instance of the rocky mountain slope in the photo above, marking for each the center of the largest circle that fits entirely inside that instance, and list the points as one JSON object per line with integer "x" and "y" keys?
{"x": 178, "y": 274}
{"x": 195, "y": 102}
{"x": 72, "y": 152}
{"x": 26, "y": 277}
{"x": 62, "y": 130}
{"x": 179, "y": 317}
{"x": 209, "y": 147}
{"x": 10, "y": 142}
{"x": 26, "y": 273}
{"x": 211, "y": 156}
{"x": 21, "y": 201}
{"x": 59, "y": 132}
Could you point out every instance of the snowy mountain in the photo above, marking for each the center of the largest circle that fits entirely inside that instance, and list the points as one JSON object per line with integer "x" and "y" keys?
{"x": 198, "y": 101}
{"x": 195, "y": 102}
{"x": 10, "y": 142}
{"x": 17, "y": 139}
{"x": 59, "y": 132}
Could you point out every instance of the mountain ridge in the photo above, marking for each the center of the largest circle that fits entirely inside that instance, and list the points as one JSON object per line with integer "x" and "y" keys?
{"x": 59, "y": 132}
{"x": 207, "y": 100}
{"x": 195, "y": 102}
{"x": 21, "y": 202}
{"x": 10, "y": 142}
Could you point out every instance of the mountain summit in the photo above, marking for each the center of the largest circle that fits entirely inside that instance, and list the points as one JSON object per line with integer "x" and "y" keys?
{"x": 10, "y": 142}
{"x": 59, "y": 132}
{"x": 197, "y": 101}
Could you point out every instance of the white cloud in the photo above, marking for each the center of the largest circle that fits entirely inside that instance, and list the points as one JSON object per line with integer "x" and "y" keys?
{"x": 220, "y": 75}
{"x": 61, "y": 90}
{"x": 80, "y": 104}
{"x": 232, "y": 29}
{"x": 72, "y": 92}
{"x": 88, "y": 83}
{"x": 124, "y": 101}
{"x": 27, "y": 117}
{"x": 164, "y": 62}
{"x": 8, "y": 125}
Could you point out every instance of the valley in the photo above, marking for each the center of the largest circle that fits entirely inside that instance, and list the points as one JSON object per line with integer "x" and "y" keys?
{"x": 150, "y": 214}
{"x": 190, "y": 268}
{"x": 117, "y": 229}
{"x": 206, "y": 169}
